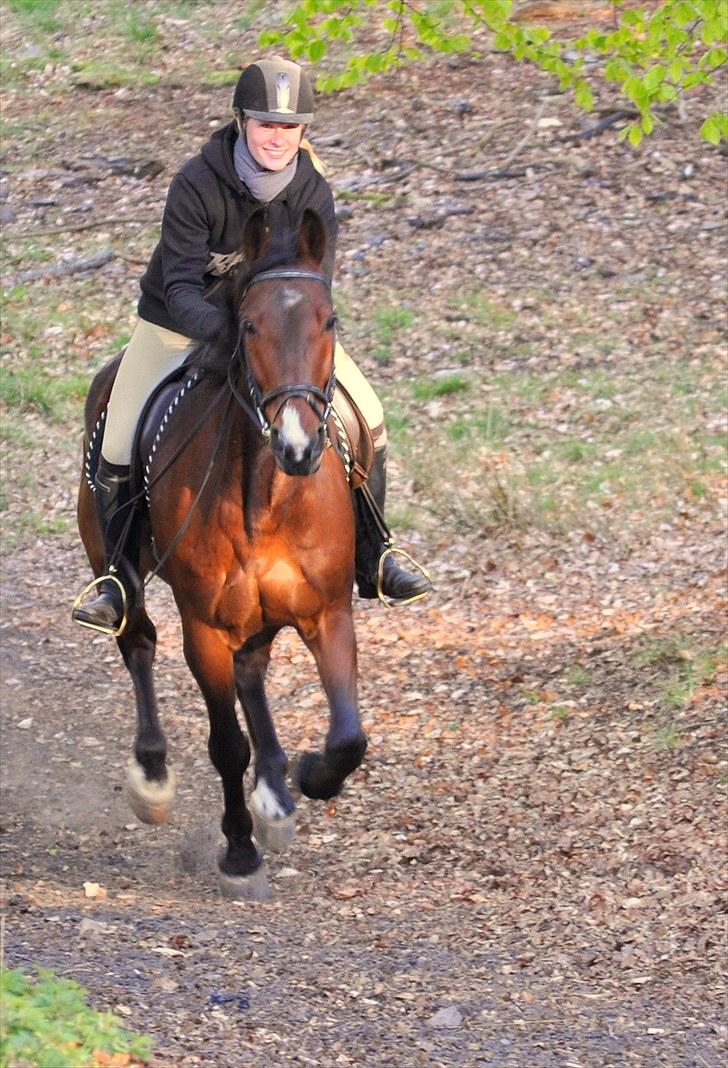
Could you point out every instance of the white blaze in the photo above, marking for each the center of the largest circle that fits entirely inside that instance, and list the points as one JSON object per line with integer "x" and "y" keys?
{"x": 291, "y": 296}
{"x": 292, "y": 433}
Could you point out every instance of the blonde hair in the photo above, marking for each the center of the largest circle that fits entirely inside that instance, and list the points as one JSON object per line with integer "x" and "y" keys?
{"x": 318, "y": 163}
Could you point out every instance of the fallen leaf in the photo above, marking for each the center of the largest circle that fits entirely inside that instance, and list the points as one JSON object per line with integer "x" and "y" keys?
{"x": 94, "y": 890}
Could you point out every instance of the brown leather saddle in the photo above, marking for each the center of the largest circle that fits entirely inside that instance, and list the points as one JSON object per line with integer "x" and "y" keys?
{"x": 351, "y": 437}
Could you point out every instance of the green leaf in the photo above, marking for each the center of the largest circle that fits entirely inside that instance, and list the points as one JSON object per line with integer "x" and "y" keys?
{"x": 675, "y": 70}
{"x": 715, "y": 58}
{"x": 666, "y": 93}
{"x": 635, "y": 135}
{"x": 683, "y": 14}
{"x": 654, "y": 77}
{"x": 317, "y": 50}
{"x": 710, "y": 130}
{"x": 584, "y": 96}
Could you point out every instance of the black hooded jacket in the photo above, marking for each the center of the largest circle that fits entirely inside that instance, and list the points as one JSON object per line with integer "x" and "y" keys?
{"x": 202, "y": 228}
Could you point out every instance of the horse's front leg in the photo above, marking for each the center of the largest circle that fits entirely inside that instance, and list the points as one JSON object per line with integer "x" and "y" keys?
{"x": 321, "y": 775}
{"x": 211, "y": 661}
{"x": 271, "y": 804}
{"x": 150, "y": 784}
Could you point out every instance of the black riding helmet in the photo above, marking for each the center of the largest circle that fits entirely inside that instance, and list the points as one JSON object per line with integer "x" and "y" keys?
{"x": 274, "y": 90}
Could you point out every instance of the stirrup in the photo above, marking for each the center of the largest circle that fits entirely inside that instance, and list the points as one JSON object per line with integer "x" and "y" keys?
{"x": 113, "y": 631}
{"x": 392, "y": 602}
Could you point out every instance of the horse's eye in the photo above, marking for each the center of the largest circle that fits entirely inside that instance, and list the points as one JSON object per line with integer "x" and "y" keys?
{"x": 246, "y": 327}
{"x": 332, "y": 321}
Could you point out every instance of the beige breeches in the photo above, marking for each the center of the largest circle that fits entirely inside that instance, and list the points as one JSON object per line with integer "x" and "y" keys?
{"x": 153, "y": 353}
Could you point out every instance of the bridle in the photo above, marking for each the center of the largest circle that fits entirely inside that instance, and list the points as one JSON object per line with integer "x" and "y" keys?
{"x": 319, "y": 400}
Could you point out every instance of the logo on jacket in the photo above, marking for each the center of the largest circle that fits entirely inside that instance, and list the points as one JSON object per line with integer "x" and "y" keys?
{"x": 283, "y": 92}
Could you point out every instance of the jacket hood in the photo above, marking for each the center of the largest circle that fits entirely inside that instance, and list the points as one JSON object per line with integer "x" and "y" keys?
{"x": 218, "y": 155}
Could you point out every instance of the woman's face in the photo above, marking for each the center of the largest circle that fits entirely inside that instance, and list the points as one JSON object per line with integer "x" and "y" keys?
{"x": 272, "y": 144}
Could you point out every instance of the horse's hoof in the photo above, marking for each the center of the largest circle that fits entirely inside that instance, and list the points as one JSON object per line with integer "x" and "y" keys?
{"x": 253, "y": 887}
{"x": 273, "y": 836}
{"x": 314, "y": 777}
{"x": 151, "y": 801}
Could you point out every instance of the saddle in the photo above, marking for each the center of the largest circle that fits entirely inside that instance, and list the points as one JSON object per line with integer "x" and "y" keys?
{"x": 348, "y": 432}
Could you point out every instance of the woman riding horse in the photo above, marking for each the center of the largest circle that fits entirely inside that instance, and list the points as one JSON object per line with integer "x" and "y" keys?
{"x": 258, "y": 160}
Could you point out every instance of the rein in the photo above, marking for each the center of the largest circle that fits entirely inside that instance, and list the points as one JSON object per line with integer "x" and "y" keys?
{"x": 319, "y": 400}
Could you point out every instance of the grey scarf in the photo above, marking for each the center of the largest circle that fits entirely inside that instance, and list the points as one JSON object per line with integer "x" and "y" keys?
{"x": 262, "y": 183}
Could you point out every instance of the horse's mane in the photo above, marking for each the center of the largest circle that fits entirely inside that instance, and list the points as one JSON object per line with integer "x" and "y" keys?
{"x": 213, "y": 356}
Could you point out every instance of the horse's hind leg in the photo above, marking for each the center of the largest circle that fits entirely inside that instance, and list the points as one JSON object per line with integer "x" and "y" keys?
{"x": 211, "y": 662}
{"x": 271, "y": 804}
{"x": 321, "y": 775}
{"x": 150, "y": 784}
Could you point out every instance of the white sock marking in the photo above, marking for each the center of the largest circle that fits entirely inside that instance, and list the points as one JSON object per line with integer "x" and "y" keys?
{"x": 265, "y": 802}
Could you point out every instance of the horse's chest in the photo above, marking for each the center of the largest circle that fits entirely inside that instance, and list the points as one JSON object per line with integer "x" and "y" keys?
{"x": 286, "y": 595}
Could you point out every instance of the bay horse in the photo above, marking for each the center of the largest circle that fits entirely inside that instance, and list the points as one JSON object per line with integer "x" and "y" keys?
{"x": 250, "y": 522}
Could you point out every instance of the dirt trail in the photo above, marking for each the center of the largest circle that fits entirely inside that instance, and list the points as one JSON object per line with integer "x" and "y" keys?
{"x": 492, "y": 887}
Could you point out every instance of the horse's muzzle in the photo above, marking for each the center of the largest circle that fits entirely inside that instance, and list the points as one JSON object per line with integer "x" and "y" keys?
{"x": 297, "y": 454}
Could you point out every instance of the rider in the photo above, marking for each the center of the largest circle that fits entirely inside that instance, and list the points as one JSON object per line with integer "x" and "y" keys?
{"x": 258, "y": 160}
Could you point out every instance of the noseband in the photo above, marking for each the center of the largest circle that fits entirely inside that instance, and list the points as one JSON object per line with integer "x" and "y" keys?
{"x": 319, "y": 400}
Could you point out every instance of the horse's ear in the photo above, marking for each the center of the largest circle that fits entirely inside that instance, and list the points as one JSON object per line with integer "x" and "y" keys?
{"x": 312, "y": 237}
{"x": 255, "y": 237}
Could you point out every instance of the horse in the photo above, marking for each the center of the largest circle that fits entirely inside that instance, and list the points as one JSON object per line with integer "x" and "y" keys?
{"x": 249, "y": 520}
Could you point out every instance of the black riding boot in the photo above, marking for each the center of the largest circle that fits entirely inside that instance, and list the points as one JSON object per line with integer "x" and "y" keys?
{"x": 373, "y": 542}
{"x": 107, "y": 611}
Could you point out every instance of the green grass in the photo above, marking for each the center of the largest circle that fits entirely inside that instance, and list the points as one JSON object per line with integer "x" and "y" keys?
{"x": 480, "y": 309}
{"x": 633, "y": 451}
{"x": 30, "y": 525}
{"x": 388, "y": 323}
{"x": 140, "y": 28}
{"x": 30, "y": 389}
{"x": 667, "y": 737}
{"x": 679, "y": 669}
{"x": 108, "y": 74}
{"x": 427, "y": 389}
{"x": 216, "y": 78}
{"x": 46, "y": 1022}
{"x": 490, "y": 426}
{"x": 43, "y": 15}
{"x": 253, "y": 9}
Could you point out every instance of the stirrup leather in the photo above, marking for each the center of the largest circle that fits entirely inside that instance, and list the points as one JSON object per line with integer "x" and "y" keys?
{"x": 392, "y": 602}
{"x": 113, "y": 631}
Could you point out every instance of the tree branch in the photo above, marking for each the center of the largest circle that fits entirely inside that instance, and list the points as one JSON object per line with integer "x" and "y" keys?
{"x": 90, "y": 264}
{"x": 75, "y": 227}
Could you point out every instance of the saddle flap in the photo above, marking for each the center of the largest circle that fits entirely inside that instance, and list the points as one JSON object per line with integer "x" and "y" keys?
{"x": 352, "y": 437}
{"x": 154, "y": 418}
